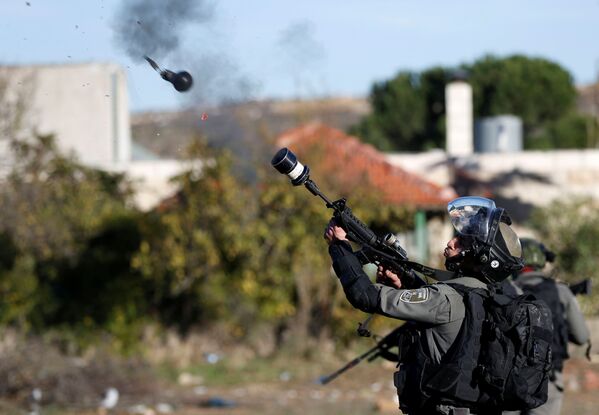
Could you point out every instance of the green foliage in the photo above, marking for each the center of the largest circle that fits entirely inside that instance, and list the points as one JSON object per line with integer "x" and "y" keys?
{"x": 51, "y": 203}
{"x": 535, "y": 89}
{"x": 570, "y": 131}
{"x": 99, "y": 288}
{"x": 19, "y": 290}
{"x": 194, "y": 250}
{"x": 68, "y": 235}
{"x": 571, "y": 230}
{"x": 8, "y": 251}
{"x": 247, "y": 253}
{"x": 77, "y": 260}
{"x": 408, "y": 111}
{"x": 293, "y": 224}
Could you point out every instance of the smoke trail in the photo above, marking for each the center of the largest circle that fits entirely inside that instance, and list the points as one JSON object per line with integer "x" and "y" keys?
{"x": 302, "y": 57}
{"x": 300, "y": 47}
{"x": 219, "y": 78}
{"x": 154, "y": 27}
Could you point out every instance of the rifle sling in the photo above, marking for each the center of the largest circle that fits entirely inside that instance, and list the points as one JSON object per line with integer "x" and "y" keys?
{"x": 437, "y": 274}
{"x": 434, "y": 273}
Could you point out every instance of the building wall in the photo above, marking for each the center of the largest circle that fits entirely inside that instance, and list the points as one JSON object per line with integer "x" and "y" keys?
{"x": 525, "y": 178}
{"x": 151, "y": 178}
{"x": 84, "y": 105}
{"x": 539, "y": 177}
{"x": 431, "y": 165}
{"x": 518, "y": 181}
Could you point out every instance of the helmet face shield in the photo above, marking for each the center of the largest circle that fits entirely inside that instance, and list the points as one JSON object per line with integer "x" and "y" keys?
{"x": 494, "y": 250}
{"x": 471, "y": 216}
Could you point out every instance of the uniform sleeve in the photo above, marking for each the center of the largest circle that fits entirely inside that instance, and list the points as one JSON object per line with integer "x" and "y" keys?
{"x": 578, "y": 331}
{"x": 435, "y": 304}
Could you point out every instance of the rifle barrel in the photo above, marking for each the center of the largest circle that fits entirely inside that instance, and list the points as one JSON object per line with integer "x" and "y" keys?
{"x": 323, "y": 380}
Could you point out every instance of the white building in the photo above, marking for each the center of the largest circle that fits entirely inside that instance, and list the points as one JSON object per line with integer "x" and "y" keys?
{"x": 85, "y": 107}
{"x": 518, "y": 180}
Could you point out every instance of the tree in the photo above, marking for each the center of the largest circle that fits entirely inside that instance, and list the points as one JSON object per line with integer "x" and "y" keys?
{"x": 196, "y": 245}
{"x": 408, "y": 111}
{"x": 55, "y": 219}
{"x": 571, "y": 229}
{"x": 535, "y": 89}
{"x": 249, "y": 255}
{"x": 236, "y": 253}
{"x": 51, "y": 203}
{"x": 568, "y": 131}
{"x": 292, "y": 223}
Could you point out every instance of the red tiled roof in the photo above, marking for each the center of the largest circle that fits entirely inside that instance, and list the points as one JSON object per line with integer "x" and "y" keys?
{"x": 355, "y": 159}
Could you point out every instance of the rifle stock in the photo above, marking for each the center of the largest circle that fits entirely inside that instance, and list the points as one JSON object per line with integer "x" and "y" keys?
{"x": 581, "y": 288}
{"x": 380, "y": 350}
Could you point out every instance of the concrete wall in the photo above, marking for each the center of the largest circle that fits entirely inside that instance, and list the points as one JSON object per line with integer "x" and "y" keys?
{"x": 151, "y": 179}
{"x": 534, "y": 177}
{"x": 432, "y": 165}
{"x": 518, "y": 181}
{"x": 84, "y": 105}
{"x": 538, "y": 177}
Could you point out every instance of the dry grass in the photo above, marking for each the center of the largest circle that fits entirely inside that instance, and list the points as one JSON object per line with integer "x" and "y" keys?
{"x": 241, "y": 383}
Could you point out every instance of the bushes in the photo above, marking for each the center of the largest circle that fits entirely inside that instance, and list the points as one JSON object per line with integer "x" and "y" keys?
{"x": 67, "y": 236}
{"x": 76, "y": 256}
{"x": 570, "y": 228}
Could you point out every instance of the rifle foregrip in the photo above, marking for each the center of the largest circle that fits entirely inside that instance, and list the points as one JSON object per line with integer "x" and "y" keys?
{"x": 356, "y": 228}
{"x": 408, "y": 277}
{"x": 414, "y": 281}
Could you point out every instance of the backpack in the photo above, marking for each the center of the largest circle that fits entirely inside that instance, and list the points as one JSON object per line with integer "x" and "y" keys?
{"x": 546, "y": 291}
{"x": 500, "y": 360}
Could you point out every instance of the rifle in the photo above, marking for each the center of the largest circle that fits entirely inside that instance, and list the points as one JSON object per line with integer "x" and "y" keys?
{"x": 581, "y": 288}
{"x": 385, "y": 250}
{"x": 549, "y": 254}
{"x": 380, "y": 350}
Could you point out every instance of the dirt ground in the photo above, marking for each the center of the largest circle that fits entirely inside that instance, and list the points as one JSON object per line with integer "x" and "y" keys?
{"x": 366, "y": 389}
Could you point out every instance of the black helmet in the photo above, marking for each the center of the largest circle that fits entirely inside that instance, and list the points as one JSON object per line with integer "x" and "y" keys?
{"x": 492, "y": 248}
{"x": 533, "y": 253}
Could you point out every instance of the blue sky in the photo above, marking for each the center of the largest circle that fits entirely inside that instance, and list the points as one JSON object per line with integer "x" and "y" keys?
{"x": 291, "y": 48}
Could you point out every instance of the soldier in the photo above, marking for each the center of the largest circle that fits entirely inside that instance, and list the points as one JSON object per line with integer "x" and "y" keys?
{"x": 485, "y": 250}
{"x": 568, "y": 321}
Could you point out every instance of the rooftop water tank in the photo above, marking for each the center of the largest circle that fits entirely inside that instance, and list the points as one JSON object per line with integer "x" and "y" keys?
{"x": 499, "y": 134}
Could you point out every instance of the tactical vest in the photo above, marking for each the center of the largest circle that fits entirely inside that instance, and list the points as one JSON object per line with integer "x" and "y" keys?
{"x": 500, "y": 359}
{"x": 546, "y": 291}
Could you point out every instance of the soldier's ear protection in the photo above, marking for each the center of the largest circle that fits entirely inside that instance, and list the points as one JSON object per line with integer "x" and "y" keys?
{"x": 501, "y": 254}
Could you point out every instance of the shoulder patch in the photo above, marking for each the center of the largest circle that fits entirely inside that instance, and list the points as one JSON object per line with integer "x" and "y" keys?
{"x": 414, "y": 296}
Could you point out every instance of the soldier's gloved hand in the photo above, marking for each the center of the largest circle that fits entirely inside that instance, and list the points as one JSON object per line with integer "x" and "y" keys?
{"x": 386, "y": 277}
{"x": 334, "y": 232}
